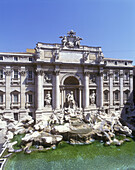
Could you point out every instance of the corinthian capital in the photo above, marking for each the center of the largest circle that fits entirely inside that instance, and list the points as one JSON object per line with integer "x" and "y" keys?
{"x": 39, "y": 72}
{"x": 8, "y": 72}
{"x": 22, "y": 73}
{"x": 56, "y": 72}
{"x": 86, "y": 73}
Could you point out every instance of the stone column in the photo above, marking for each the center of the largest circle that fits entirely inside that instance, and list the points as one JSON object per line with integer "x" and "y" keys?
{"x": 62, "y": 98}
{"x": 101, "y": 89}
{"x": 86, "y": 90}
{"x": 8, "y": 82}
{"x": 121, "y": 88}
{"x": 22, "y": 73}
{"x": 111, "y": 88}
{"x": 131, "y": 86}
{"x": 39, "y": 89}
{"x": 80, "y": 98}
{"x": 57, "y": 90}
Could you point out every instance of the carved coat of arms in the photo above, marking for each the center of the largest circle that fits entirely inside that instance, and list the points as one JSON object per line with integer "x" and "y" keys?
{"x": 71, "y": 41}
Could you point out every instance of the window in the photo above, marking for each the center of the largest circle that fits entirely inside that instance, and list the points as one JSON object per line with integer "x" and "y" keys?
{"x": 1, "y": 98}
{"x": 16, "y": 116}
{"x": 30, "y": 114}
{"x": 105, "y": 62}
{"x": 126, "y": 63}
{"x": 15, "y": 98}
{"x": 126, "y": 95}
{"x": 29, "y": 74}
{"x": 30, "y": 98}
{"x": 105, "y": 76}
{"x": 115, "y": 63}
{"x": 1, "y": 74}
{"x": 1, "y": 58}
{"x": 16, "y": 58}
{"x": 116, "y": 96}
{"x": 116, "y": 76}
{"x": 15, "y": 74}
{"x": 30, "y": 58}
{"x": 106, "y": 111}
{"x": 106, "y": 96}
{"x": 126, "y": 76}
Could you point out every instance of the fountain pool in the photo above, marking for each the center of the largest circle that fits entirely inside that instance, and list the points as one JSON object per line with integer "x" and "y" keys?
{"x": 95, "y": 156}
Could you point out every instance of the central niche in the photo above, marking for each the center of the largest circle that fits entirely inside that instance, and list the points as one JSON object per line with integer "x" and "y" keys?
{"x": 71, "y": 84}
{"x": 71, "y": 80}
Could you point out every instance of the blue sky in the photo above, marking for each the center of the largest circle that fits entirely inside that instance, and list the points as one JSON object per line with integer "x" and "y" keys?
{"x": 106, "y": 23}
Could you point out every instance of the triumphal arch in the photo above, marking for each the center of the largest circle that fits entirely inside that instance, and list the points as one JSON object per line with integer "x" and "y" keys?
{"x": 70, "y": 68}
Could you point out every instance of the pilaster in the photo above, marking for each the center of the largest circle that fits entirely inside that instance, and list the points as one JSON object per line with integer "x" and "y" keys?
{"x": 101, "y": 88}
{"x": 86, "y": 89}
{"x": 57, "y": 90}
{"x": 80, "y": 98}
{"x": 39, "y": 89}
{"x": 111, "y": 88}
{"x": 131, "y": 85}
{"x": 121, "y": 88}
{"x": 8, "y": 82}
{"x": 22, "y": 73}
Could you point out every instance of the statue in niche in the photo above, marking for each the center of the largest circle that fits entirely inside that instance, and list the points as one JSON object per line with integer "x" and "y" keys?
{"x": 48, "y": 99}
{"x": 93, "y": 98}
{"x": 70, "y": 100}
{"x": 70, "y": 106}
{"x": 47, "y": 78}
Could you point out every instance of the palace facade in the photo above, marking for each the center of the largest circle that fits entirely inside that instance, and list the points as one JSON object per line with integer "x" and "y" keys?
{"x": 39, "y": 81}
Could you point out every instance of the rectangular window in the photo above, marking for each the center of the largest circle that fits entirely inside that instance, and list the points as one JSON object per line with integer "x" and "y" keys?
{"x": 1, "y": 98}
{"x": 1, "y": 74}
{"x": 105, "y": 96}
{"x": 116, "y": 75}
{"x": 30, "y": 58}
{"x": 15, "y": 74}
{"x": 126, "y": 95}
{"x": 16, "y": 116}
{"x": 30, "y": 114}
{"x": 29, "y": 74}
{"x": 1, "y": 58}
{"x": 105, "y": 76}
{"x": 30, "y": 98}
{"x": 116, "y": 96}
{"x": 15, "y": 98}
{"x": 15, "y": 58}
{"x": 126, "y": 76}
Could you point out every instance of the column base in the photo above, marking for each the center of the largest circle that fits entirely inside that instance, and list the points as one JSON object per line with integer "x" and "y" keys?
{"x": 23, "y": 113}
{"x": 111, "y": 108}
{"x": 38, "y": 115}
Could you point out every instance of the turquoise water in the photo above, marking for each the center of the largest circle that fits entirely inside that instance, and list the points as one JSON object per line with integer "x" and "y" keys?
{"x": 77, "y": 157}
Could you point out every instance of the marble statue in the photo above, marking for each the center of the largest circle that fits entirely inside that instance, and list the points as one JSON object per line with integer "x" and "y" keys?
{"x": 64, "y": 41}
{"x": 47, "y": 78}
{"x": 92, "y": 97}
{"x": 70, "y": 100}
{"x": 71, "y": 41}
{"x": 48, "y": 98}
